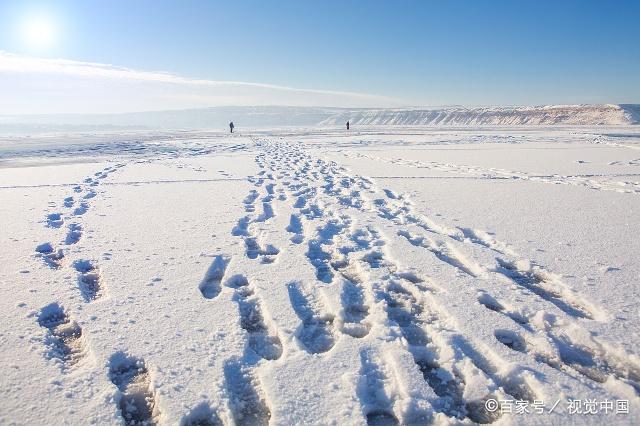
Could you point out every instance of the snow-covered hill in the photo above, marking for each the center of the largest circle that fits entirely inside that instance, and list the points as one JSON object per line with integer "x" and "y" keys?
{"x": 460, "y": 116}
{"x": 278, "y": 116}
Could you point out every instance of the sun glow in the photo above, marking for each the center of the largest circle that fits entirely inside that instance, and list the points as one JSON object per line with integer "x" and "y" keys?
{"x": 38, "y": 32}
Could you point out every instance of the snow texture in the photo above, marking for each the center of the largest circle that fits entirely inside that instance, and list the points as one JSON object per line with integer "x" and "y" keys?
{"x": 379, "y": 276}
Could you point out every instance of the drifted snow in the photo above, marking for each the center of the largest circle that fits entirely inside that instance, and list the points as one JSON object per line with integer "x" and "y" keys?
{"x": 304, "y": 276}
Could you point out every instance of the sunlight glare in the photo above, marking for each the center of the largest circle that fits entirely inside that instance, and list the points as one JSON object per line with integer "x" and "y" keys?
{"x": 38, "y": 32}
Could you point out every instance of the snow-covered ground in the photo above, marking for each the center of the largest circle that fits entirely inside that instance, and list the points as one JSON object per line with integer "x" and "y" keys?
{"x": 386, "y": 275}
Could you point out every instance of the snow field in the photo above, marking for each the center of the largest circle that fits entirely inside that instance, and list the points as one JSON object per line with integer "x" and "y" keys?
{"x": 272, "y": 279}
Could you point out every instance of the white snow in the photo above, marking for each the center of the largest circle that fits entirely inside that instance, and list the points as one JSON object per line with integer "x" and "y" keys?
{"x": 385, "y": 275}
{"x": 482, "y": 116}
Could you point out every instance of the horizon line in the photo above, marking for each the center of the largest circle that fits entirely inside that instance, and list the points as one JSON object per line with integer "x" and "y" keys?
{"x": 399, "y": 108}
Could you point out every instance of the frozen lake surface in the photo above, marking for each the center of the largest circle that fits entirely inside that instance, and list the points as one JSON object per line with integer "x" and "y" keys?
{"x": 303, "y": 275}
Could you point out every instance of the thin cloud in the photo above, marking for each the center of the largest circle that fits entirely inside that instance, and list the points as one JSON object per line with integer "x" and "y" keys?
{"x": 162, "y": 90}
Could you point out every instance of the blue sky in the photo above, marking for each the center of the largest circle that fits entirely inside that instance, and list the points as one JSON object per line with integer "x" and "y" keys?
{"x": 416, "y": 52}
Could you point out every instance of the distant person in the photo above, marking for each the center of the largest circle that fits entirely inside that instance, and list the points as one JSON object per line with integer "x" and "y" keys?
{"x": 347, "y": 125}
{"x": 231, "y": 126}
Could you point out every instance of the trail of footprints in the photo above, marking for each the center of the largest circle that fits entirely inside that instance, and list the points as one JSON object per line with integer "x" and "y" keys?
{"x": 630, "y": 187}
{"x": 532, "y": 280}
{"x": 255, "y": 248}
{"x": 448, "y": 383}
{"x": 355, "y": 257}
{"x": 89, "y": 278}
{"x": 246, "y": 399}
{"x": 565, "y": 354}
{"x": 66, "y": 344}
{"x": 348, "y": 255}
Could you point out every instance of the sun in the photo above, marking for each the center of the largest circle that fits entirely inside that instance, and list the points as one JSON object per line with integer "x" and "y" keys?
{"x": 38, "y": 32}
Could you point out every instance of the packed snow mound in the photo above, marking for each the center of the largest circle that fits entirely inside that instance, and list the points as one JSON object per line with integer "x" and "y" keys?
{"x": 460, "y": 116}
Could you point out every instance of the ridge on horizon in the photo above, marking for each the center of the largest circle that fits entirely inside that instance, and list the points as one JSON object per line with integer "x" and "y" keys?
{"x": 341, "y": 108}
{"x": 276, "y": 116}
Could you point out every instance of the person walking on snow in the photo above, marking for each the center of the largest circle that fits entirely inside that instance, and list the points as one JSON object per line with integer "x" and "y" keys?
{"x": 231, "y": 126}
{"x": 347, "y": 125}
